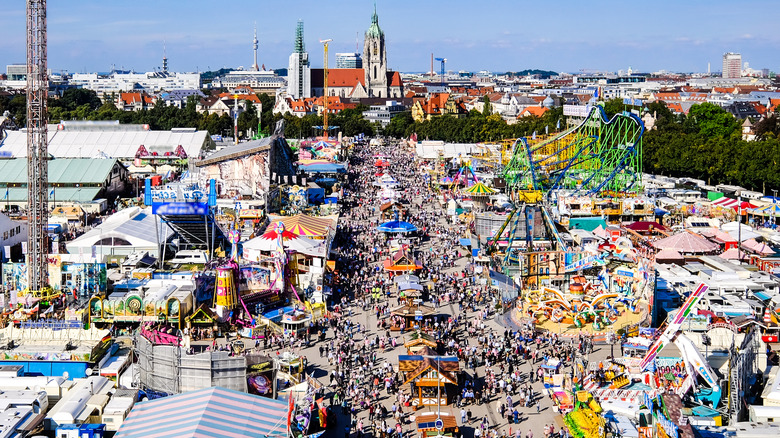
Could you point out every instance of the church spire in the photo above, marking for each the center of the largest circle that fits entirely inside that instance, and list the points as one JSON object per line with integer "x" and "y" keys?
{"x": 375, "y": 17}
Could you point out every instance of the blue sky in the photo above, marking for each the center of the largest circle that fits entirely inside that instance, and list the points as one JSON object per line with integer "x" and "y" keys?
{"x": 496, "y": 35}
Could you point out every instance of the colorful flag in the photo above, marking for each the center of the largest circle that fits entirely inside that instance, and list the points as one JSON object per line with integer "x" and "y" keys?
{"x": 290, "y": 409}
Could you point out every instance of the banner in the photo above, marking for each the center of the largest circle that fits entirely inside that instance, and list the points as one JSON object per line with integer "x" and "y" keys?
{"x": 180, "y": 208}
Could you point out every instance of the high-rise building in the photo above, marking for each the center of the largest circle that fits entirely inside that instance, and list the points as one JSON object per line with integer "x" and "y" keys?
{"x": 299, "y": 70}
{"x": 732, "y": 65}
{"x": 375, "y": 59}
{"x": 349, "y": 60}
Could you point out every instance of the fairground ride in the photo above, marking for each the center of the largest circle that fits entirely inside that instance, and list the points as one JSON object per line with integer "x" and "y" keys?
{"x": 597, "y": 157}
{"x": 594, "y": 157}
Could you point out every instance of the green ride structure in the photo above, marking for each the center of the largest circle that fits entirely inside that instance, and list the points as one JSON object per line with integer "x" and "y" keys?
{"x": 596, "y": 157}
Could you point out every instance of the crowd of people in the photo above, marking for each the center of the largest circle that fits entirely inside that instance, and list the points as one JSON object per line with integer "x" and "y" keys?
{"x": 498, "y": 366}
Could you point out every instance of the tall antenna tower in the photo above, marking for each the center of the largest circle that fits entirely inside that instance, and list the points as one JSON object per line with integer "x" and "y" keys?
{"x": 165, "y": 58}
{"x": 255, "y": 43}
{"x": 37, "y": 148}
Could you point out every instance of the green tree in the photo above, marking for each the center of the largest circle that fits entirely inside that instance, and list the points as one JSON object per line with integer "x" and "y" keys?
{"x": 247, "y": 120}
{"x": 399, "y": 125}
{"x": 73, "y": 98}
{"x": 710, "y": 120}
{"x": 486, "y": 107}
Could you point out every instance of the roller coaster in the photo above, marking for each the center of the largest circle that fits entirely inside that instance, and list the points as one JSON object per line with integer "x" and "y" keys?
{"x": 594, "y": 157}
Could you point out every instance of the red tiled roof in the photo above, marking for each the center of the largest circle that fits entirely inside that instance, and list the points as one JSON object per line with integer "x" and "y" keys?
{"x": 129, "y": 98}
{"x": 666, "y": 97}
{"x": 535, "y": 111}
{"x": 436, "y": 103}
{"x": 338, "y": 77}
{"x": 761, "y": 109}
{"x": 394, "y": 79}
{"x": 250, "y": 96}
{"x": 675, "y": 107}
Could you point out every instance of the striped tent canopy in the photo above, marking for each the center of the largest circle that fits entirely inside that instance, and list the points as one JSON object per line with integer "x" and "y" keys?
{"x": 306, "y": 226}
{"x": 210, "y": 412}
{"x": 767, "y": 210}
{"x": 479, "y": 189}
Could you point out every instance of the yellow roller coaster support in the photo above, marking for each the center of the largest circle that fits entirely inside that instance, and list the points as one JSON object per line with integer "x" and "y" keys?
{"x": 44, "y": 294}
{"x": 529, "y": 196}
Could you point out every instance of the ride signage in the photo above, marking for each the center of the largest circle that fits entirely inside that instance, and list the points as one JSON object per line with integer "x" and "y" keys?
{"x": 168, "y": 195}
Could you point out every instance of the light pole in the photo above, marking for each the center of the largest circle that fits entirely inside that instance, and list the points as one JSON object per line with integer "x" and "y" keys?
{"x": 739, "y": 230}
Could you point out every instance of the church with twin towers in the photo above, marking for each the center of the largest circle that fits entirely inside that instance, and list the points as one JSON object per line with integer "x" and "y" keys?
{"x": 372, "y": 80}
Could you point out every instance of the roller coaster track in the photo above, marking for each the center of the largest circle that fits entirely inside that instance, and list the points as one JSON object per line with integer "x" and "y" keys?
{"x": 596, "y": 156}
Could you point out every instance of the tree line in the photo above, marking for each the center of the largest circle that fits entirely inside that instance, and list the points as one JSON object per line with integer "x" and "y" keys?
{"x": 82, "y": 104}
{"x": 705, "y": 144}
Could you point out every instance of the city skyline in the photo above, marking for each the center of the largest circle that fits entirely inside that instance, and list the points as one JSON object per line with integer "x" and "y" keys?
{"x": 88, "y": 35}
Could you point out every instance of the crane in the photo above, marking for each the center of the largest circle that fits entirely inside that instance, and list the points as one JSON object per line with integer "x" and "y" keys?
{"x": 37, "y": 151}
{"x": 443, "y": 61}
{"x": 325, "y": 87}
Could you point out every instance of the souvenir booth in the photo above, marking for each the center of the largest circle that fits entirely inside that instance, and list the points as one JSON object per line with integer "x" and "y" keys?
{"x": 433, "y": 379}
{"x": 427, "y": 427}
{"x": 202, "y": 323}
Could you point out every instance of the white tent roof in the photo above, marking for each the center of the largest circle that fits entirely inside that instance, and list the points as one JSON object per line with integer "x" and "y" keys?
{"x": 448, "y": 150}
{"x": 134, "y": 224}
{"x": 121, "y": 144}
{"x": 302, "y": 245}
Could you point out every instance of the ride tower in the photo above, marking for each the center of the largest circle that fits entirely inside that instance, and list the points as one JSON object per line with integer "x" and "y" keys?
{"x": 37, "y": 150}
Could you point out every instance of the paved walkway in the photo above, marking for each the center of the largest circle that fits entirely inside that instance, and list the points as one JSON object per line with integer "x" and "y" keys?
{"x": 532, "y": 418}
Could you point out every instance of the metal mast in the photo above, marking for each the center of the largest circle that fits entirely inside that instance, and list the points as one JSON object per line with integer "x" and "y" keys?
{"x": 326, "y": 129}
{"x": 37, "y": 150}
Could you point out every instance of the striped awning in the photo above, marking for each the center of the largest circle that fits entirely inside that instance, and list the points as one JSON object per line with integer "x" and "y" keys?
{"x": 210, "y": 412}
{"x": 479, "y": 189}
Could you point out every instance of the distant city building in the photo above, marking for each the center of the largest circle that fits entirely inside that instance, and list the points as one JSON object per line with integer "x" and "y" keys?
{"x": 373, "y": 80}
{"x": 732, "y": 65}
{"x": 299, "y": 70}
{"x": 150, "y": 82}
{"x": 349, "y": 60}
{"x": 16, "y": 76}
{"x": 261, "y": 81}
{"x": 375, "y": 56}
{"x": 178, "y": 98}
{"x": 383, "y": 113}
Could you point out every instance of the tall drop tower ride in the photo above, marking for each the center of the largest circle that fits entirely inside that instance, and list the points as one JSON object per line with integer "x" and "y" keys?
{"x": 37, "y": 148}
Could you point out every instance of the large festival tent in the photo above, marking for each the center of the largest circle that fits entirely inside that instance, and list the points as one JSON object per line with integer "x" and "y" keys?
{"x": 647, "y": 227}
{"x": 669, "y": 255}
{"x": 757, "y": 247}
{"x": 209, "y": 412}
{"x": 767, "y": 210}
{"x": 734, "y": 254}
{"x": 733, "y": 228}
{"x": 734, "y": 204}
{"x": 687, "y": 243}
{"x": 291, "y": 241}
{"x": 305, "y": 226}
{"x": 125, "y": 232}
